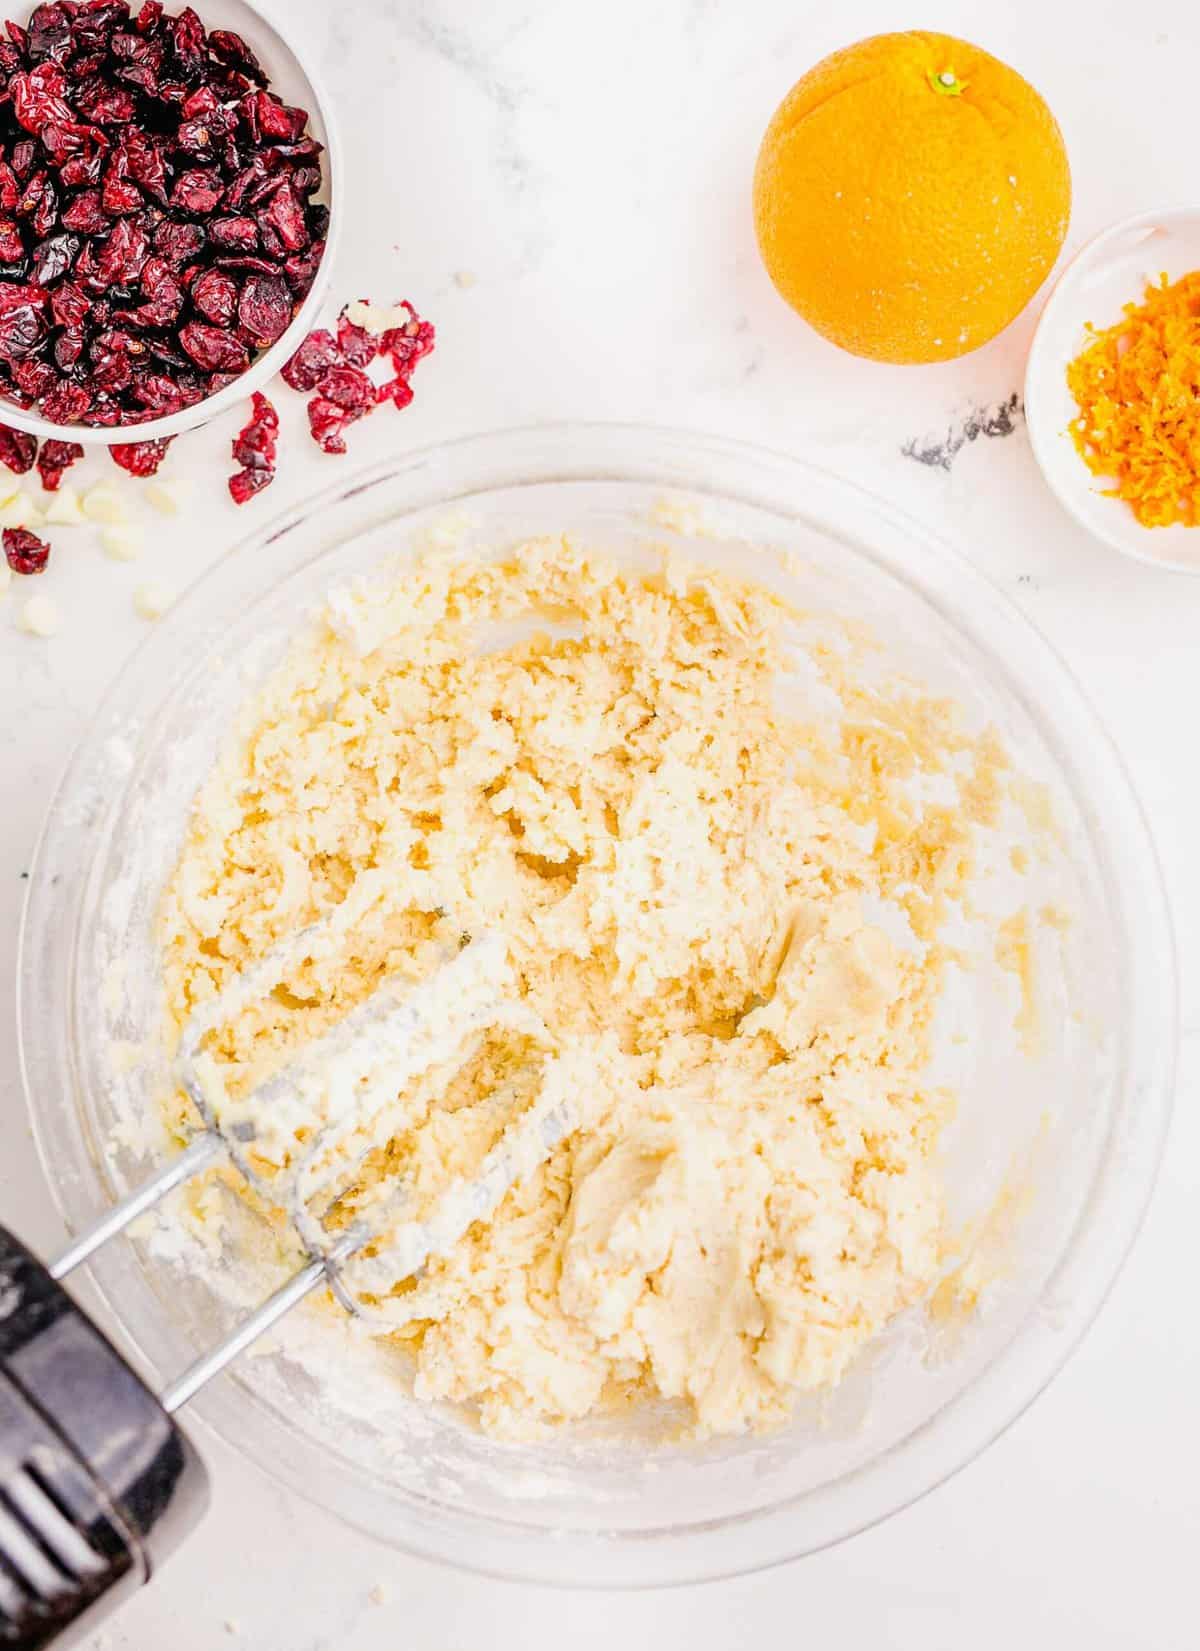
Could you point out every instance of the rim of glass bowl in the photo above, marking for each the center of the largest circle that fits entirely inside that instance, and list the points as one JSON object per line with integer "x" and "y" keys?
{"x": 449, "y": 474}
{"x": 286, "y": 61}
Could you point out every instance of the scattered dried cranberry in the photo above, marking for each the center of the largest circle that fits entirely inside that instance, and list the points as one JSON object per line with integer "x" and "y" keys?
{"x": 18, "y": 449}
{"x": 141, "y": 458}
{"x": 335, "y": 369}
{"x": 140, "y": 157}
{"x": 254, "y": 450}
{"x": 55, "y": 458}
{"x": 24, "y": 551}
{"x": 326, "y": 421}
{"x": 358, "y": 346}
{"x": 318, "y": 353}
{"x": 407, "y": 344}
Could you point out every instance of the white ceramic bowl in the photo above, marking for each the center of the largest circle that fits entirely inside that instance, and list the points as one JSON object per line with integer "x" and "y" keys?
{"x": 294, "y": 79}
{"x": 1090, "y": 1106}
{"x": 1111, "y": 271}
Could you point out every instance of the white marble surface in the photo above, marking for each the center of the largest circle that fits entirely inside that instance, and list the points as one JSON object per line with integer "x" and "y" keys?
{"x": 583, "y": 171}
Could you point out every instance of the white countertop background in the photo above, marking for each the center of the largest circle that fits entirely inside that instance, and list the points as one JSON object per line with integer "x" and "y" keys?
{"x": 563, "y": 189}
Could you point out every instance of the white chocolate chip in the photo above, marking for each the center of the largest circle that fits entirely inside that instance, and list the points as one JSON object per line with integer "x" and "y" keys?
{"x": 464, "y": 278}
{"x": 380, "y": 1594}
{"x": 105, "y": 503}
{"x": 168, "y": 497}
{"x": 377, "y": 318}
{"x": 64, "y": 509}
{"x": 152, "y": 600}
{"x": 40, "y": 617}
{"x": 21, "y": 511}
{"x": 123, "y": 541}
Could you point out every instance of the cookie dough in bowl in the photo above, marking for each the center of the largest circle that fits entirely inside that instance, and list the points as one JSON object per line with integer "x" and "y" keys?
{"x": 682, "y": 872}
{"x": 798, "y": 842}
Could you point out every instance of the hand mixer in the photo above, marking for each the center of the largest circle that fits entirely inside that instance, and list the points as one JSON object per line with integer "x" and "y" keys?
{"x": 98, "y": 1484}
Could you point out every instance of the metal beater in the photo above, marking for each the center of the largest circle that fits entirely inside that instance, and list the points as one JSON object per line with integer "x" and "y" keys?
{"x": 98, "y": 1484}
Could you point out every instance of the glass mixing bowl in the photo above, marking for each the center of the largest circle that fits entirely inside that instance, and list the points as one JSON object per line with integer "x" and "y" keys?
{"x": 1049, "y": 1164}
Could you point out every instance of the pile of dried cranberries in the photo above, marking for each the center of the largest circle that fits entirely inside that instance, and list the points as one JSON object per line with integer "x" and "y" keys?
{"x": 157, "y": 217}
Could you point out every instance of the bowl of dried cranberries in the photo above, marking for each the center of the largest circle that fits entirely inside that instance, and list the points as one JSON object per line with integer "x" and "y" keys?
{"x": 166, "y": 184}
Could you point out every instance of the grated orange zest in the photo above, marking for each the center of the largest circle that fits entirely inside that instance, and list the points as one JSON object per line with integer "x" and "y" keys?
{"x": 1137, "y": 386}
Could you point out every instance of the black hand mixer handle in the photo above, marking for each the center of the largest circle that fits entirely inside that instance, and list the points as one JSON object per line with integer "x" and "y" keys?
{"x": 98, "y": 1484}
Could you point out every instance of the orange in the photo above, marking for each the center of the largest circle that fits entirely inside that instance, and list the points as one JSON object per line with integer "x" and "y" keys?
{"x": 911, "y": 195}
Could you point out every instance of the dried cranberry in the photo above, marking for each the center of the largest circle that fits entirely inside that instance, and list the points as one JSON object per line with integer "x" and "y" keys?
{"x": 37, "y": 97}
{"x": 95, "y": 21}
{"x": 10, "y": 190}
{"x": 83, "y": 169}
{"x": 249, "y": 264}
{"x": 103, "y": 413}
{"x": 18, "y": 449}
{"x": 397, "y": 390}
{"x": 254, "y": 451}
{"x": 178, "y": 242}
{"x": 141, "y": 61}
{"x": 21, "y": 329}
{"x": 306, "y": 180}
{"x": 66, "y": 403}
{"x": 187, "y": 34}
{"x": 69, "y": 305}
{"x": 244, "y": 484}
{"x": 23, "y": 156}
{"x": 119, "y": 195}
{"x": 54, "y": 258}
{"x": 24, "y": 551}
{"x": 265, "y": 309}
{"x": 285, "y": 216}
{"x": 348, "y": 388}
{"x": 407, "y": 344}
{"x": 159, "y": 394}
{"x": 49, "y": 32}
{"x": 141, "y": 458}
{"x": 265, "y": 114}
{"x": 104, "y": 105}
{"x": 150, "y": 16}
{"x": 198, "y": 191}
{"x": 12, "y": 248}
{"x": 318, "y": 353}
{"x": 240, "y": 234}
{"x": 144, "y": 158}
{"x": 164, "y": 300}
{"x": 359, "y": 347}
{"x": 55, "y": 458}
{"x": 326, "y": 420}
{"x": 123, "y": 254}
{"x": 85, "y": 213}
{"x": 68, "y": 347}
{"x": 301, "y": 269}
{"x": 215, "y": 295}
{"x": 213, "y": 349}
{"x": 231, "y": 49}
{"x": 33, "y": 378}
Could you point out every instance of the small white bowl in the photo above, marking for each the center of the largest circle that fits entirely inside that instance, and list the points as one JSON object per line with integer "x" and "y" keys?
{"x": 294, "y": 79}
{"x": 1112, "y": 270}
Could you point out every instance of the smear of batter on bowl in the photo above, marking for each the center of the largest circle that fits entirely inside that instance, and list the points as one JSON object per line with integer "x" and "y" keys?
{"x": 726, "y": 919}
